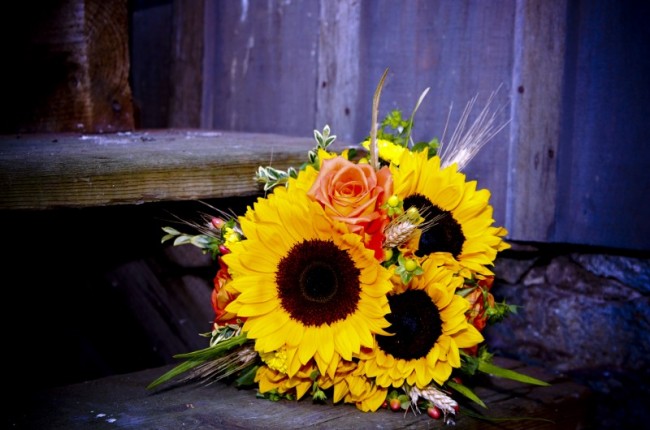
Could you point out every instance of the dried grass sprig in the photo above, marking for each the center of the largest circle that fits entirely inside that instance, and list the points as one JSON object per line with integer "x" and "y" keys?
{"x": 466, "y": 141}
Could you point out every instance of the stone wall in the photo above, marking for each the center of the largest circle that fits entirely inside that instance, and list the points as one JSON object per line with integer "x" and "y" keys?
{"x": 585, "y": 313}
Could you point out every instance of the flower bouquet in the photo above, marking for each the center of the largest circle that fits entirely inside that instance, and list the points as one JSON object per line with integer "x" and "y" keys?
{"x": 362, "y": 276}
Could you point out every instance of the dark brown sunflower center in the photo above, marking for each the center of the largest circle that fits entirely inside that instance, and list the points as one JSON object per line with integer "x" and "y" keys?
{"x": 415, "y": 321}
{"x": 446, "y": 235}
{"x": 318, "y": 283}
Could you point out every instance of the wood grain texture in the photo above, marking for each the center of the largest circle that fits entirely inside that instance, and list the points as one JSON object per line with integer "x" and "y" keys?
{"x": 69, "y": 68}
{"x": 186, "y": 83}
{"x": 458, "y": 49}
{"x": 536, "y": 114}
{"x": 45, "y": 171}
{"x": 106, "y": 30}
{"x": 603, "y": 159}
{"x": 265, "y": 70}
{"x": 151, "y": 52}
{"x": 338, "y": 67}
{"x": 122, "y": 401}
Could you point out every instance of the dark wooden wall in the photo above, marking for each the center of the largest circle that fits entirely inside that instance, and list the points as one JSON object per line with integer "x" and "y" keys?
{"x": 570, "y": 167}
{"x": 65, "y": 67}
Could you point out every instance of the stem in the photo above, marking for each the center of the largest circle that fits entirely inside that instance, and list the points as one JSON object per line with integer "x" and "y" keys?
{"x": 374, "y": 152}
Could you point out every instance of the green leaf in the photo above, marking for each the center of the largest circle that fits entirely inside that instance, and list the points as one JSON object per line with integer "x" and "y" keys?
{"x": 167, "y": 237}
{"x": 178, "y": 370}
{"x": 198, "y": 357}
{"x": 171, "y": 231}
{"x": 248, "y": 377}
{"x": 182, "y": 240}
{"x": 495, "y": 370}
{"x": 467, "y": 392}
{"x": 216, "y": 350}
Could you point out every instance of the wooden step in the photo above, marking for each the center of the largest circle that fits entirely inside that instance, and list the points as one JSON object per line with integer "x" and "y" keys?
{"x": 40, "y": 171}
{"x": 123, "y": 402}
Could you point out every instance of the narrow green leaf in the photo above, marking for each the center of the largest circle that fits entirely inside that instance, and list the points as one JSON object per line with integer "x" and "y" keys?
{"x": 467, "y": 392}
{"x": 248, "y": 377}
{"x": 167, "y": 237}
{"x": 180, "y": 369}
{"x": 200, "y": 356}
{"x": 494, "y": 370}
{"x": 214, "y": 351}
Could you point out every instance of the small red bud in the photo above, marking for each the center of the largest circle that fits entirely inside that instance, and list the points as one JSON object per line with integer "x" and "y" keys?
{"x": 217, "y": 222}
{"x": 223, "y": 250}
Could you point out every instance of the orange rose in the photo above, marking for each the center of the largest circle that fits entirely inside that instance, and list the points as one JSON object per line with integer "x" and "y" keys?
{"x": 354, "y": 193}
{"x": 222, "y": 295}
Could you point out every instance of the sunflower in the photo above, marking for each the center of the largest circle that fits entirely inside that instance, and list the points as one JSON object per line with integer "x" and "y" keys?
{"x": 347, "y": 383}
{"x": 269, "y": 379}
{"x": 364, "y": 392}
{"x": 306, "y": 285}
{"x": 429, "y": 326}
{"x": 463, "y": 226}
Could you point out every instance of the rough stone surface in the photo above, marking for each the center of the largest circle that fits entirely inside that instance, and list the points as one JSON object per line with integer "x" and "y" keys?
{"x": 587, "y": 315}
{"x": 634, "y": 272}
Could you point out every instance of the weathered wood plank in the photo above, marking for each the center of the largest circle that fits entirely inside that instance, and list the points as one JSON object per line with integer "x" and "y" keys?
{"x": 338, "y": 67}
{"x": 536, "y": 94}
{"x": 151, "y": 54}
{"x": 186, "y": 87}
{"x": 263, "y": 76}
{"x": 45, "y": 171}
{"x": 123, "y": 402}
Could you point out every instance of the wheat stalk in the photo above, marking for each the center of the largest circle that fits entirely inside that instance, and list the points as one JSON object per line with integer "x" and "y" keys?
{"x": 438, "y": 398}
{"x": 466, "y": 141}
{"x": 222, "y": 367}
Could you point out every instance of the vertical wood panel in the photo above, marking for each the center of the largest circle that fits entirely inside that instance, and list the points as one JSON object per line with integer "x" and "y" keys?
{"x": 150, "y": 64}
{"x": 265, "y": 71}
{"x": 186, "y": 98}
{"x": 537, "y": 80}
{"x": 338, "y": 67}
{"x": 460, "y": 50}
{"x": 604, "y": 157}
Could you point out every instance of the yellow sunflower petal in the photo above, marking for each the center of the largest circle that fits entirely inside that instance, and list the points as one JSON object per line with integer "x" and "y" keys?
{"x": 281, "y": 272}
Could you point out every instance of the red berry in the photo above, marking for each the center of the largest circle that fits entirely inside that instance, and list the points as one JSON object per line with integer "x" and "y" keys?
{"x": 395, "y": 404}
{"x": 385, "y": 404}
{"x": 434, "y": 412}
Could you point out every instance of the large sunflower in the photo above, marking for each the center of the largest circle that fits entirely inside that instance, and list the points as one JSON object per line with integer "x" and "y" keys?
{"x": 463, "y": 226}
{"x": 306, "y": 285}
{"x": 429, "y": 326}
